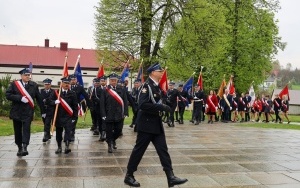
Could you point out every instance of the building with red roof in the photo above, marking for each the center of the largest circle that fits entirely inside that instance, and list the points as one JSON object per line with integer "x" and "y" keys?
{"x": 48, "y": 61}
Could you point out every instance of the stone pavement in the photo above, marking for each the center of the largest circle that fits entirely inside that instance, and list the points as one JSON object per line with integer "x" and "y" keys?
{"x": 218, "y": 155}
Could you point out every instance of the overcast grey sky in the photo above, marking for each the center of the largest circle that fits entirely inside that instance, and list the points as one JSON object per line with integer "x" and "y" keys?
{"x": 30, "y": 22}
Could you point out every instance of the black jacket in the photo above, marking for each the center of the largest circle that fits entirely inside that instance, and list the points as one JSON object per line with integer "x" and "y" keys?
{"x": 149, "y": 114}
{"x": 23, "y": 111}
{"x": 49, "y": 108}
{"x": 79, "y": 90}
{"x": 109, "y": 106}
{"x": 63, "y": 118}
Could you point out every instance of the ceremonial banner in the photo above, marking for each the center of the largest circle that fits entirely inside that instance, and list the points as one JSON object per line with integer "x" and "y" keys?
{"x": 284, "y": 91}
{"x": 163, "y": 83}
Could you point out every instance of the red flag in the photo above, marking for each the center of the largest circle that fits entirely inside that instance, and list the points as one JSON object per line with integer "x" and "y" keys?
{"x": 284, "y": 91}
{"x": 163, "y": 83}
{"x": 100, "y": 71}
{"x": 65, "y": 70}
{"x": 231, "y": 89}
{"x": 200, "y": 81}
{"x": 230, "y": 86}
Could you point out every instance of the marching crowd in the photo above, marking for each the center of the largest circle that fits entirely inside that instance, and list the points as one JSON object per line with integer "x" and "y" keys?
{"x": 108, "y": 100}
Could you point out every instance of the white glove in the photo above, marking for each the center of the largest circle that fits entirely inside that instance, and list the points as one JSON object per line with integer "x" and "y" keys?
{"x": 73, "y": 121}
{"x": 230, "y": 108}
{"x": 103, "y": 118}
{"x": 43, "y": 115}
{"x": 24, "y": 100}
{"x": 245, "y": 109}
{"x": 125, "y": 116}
{"x": 57, "y": 101}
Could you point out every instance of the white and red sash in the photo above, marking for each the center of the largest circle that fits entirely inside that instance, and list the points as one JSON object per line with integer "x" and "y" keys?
{"x": 116, "y": 96}
{"x": 276, "y": 103}
{"x": 24, "y": 93}
{"x": 65, "y": 105}
{"x": 210, "y": 101}
{"x": 242, "y": 101}
{"x": 226, "y": 100}
{"x": 235, "y": 104}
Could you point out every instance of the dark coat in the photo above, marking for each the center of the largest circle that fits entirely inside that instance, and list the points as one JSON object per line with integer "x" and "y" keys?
{"x": 23, "y": 111}
{"x": 149, "y": 118}
{"x": 183, "y": 99}
{"x": 110, "y": 108}
{"x": 49, "y": 108}
{"x": 79, "y": 90}
{"x": 96, "y": 98}
{"x": 63, "y": 118}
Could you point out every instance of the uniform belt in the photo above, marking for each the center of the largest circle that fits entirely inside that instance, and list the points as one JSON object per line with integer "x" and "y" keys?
{"x": 198, "y": 100}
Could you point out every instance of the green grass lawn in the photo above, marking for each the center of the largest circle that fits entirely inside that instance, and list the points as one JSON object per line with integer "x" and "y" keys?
{"x": 295, "y": 87}
{"x": 6, "y": 125}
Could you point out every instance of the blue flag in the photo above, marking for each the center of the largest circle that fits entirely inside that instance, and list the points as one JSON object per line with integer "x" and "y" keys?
{"x": 188, "y": 87}
{"x": 125, "y": 72}
{"x": 188, "y": 84}
{"x": 78, "y": 75}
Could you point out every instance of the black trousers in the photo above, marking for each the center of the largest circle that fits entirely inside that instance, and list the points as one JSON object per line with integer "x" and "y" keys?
{"x": 181, "y": 110}
{"x": 47, "y": 123}
{"x": 59, "y": 132}
{"x": 277, "y": 115}
{"x": 171, "y": 114}
{"x": 113, "y": 131}
{"x": 142, "y": 141}
{"x": 22, "y": 131}
{"x": 73, "y": 126}
{"x": 197, "y": 111}
{"x": 94, "y": 116}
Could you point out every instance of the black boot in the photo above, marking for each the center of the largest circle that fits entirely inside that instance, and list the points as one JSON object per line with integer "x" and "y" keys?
{"x": 59, "y": 150}
{"x": 103, "y": 136}
{"x": 110, "y": 150}
{"x": 129, "y": 180}
{"x": 24, "y": 150}
{"x": 114, "y": 145}
{"x": 173, "y": 180}
{"x": 46, "y": 137}
{"x": 180, "y": 121}
{"x": 67, "y": 149}
{"x": 19, "y": 151}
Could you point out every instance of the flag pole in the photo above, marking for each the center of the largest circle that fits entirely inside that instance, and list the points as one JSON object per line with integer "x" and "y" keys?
{"x": 56, "y": 107}
{"x": 77, "y": 61}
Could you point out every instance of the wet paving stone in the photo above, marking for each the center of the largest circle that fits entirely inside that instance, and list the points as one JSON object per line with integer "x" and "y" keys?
{"x": 209, "y": 156}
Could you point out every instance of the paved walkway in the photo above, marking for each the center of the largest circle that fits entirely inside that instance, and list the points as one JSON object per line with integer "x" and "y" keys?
{"x": 218, "y": 155}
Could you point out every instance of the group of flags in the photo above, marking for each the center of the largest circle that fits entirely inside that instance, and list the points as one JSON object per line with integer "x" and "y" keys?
{"x": 163, "y": 83}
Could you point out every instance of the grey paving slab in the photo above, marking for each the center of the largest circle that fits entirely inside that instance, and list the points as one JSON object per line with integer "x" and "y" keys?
{"x": 218, "y": 155}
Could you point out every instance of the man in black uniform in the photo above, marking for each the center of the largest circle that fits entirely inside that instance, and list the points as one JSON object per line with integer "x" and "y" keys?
{"x": 172, "y": 95}
{"x": 182, "y": 102}
{"x": 79, "y": 90}
{"x": 47, "y": 117}
{"x": 198, "y": 97}
{"x": 150, "y": 128}
{"x": 95, "y": 102}
{"x": 66, "y": 115}
{"x": 22, "y": 94}
{"x": 89, "y": 92}
{"x": 134, "y": 94}
{"x": 114, "y": 108}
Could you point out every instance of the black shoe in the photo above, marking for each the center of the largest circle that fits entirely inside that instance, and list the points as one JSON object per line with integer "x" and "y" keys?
{"x": 114, "y": 145}
{"x": 208, "y": 121}
{"x": 178, "y": 120}
{"x": 24, "y": 150}
{"x": 96, "y": 132}
{"x": 110, "y": 150}
{"x": 289, "y": 122}
{"x": 130, "y": 180}
{"x": 173, "y": 180}
{"x": 67, "y": 149}
{"x": 169, "y": 123}
{"x": 58, "y": 151}
{"x": 103, "y": 136}
{"x": 19, "y": 153}
{"x": 131, "y": 125}
{"x": 197, "y": 123}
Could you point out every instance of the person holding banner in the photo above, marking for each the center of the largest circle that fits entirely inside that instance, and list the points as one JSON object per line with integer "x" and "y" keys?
{"x": 66, "y": 115}
{"x": 114, "y": 108}
{"x": 22, "y": 94}
{"x": 79, "y": 90}
{"x": 277, "y": 107}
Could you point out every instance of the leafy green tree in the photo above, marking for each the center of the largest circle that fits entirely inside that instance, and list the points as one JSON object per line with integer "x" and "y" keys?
{"x": 135, "y": 27}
